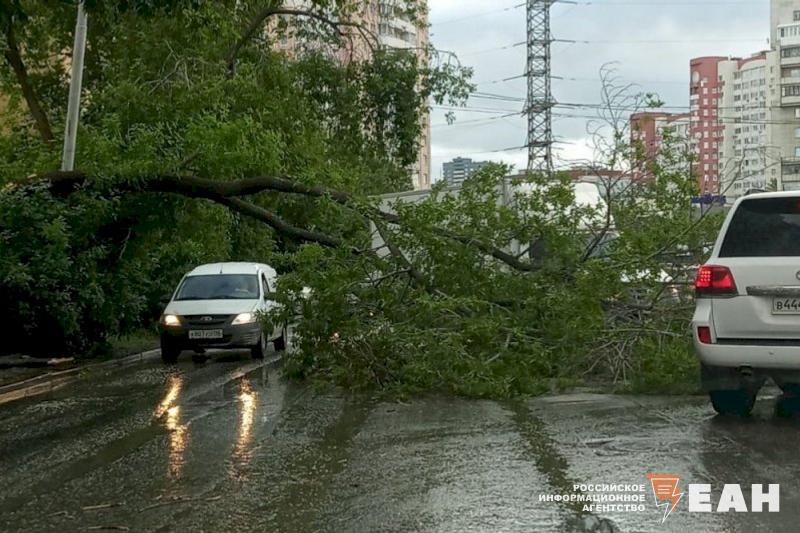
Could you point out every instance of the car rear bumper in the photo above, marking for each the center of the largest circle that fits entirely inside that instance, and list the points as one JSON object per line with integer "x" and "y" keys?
{"x": 753, "y": 355}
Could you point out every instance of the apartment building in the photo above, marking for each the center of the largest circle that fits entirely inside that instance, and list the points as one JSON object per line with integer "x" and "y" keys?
{"x": 650, "y": 130}
{"x": 456, "y": 171}
{"x": 397, "y": 30}
{"x": 744, "y": 122}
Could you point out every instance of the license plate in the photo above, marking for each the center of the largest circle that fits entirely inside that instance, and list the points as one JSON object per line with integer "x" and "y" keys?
{"x": 786, "y": 306}
{"x": 205, "y": 334}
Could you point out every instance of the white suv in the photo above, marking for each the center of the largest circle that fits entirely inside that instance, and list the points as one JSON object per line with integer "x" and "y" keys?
{"x": 747, "y": 320}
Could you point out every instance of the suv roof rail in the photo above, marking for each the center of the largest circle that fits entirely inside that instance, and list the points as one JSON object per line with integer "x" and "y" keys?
{"x": 754, "y": 191}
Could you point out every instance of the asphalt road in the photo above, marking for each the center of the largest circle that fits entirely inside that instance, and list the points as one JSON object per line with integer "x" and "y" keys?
{"x": 230, "y": 446}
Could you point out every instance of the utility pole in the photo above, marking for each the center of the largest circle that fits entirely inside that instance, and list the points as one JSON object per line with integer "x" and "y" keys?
{"x": 540, "y": 99}
{"x": 75, "y": 85}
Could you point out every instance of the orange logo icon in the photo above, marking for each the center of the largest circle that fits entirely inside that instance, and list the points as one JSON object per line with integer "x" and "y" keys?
{"x": 665, "y": 490}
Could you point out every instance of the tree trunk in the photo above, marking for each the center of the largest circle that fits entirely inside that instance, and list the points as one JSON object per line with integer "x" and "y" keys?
{"x": 14, "y": 59}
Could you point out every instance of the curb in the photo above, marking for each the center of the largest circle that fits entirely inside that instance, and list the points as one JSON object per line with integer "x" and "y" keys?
{"x": 55, "y": 380}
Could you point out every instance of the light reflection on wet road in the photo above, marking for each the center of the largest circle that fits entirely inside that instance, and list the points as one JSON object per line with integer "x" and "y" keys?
{"x": 232, "y": 446}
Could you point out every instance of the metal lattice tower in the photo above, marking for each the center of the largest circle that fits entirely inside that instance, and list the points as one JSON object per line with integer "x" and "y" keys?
{"x": 540, "y": 102}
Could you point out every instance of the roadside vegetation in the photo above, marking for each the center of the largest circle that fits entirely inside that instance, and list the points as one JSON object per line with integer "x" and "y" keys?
{"x": 200, "y": 142}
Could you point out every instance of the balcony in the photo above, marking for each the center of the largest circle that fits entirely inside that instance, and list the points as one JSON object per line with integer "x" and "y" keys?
{"x": 790, "y": 61}
{"x": 790, "y": 100}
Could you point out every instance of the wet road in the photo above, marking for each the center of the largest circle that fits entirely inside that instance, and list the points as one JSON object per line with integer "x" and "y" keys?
{"x": 230, "y": 446}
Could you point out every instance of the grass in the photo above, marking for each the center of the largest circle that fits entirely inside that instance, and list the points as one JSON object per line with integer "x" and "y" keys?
{"x": 139, "y": 341}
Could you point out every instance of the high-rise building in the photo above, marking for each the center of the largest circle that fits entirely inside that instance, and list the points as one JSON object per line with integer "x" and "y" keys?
{"x": 731, "y": 132}
{"x": 705, "y": 129}
{"x": 745, "y": 114}
{"x": 747, "y": 151}
{"x": 460, "y": 168}
{"x": 649, "y": 129}
{"x": 394, "y": 28}
{"x": 397, "y": 30}
{"x": 784, "y": 113}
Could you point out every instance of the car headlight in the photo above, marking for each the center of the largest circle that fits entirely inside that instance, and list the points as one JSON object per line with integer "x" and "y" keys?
{"x": 244, "y": 318}
{"x": 170, "y": 320}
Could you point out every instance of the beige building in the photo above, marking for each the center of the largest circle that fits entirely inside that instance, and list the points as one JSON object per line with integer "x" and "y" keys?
{"x": 396, "y": 30}
{"x": 387, "y": 23}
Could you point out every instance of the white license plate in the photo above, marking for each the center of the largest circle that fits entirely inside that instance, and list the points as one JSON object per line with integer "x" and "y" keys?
{"x": 786, "y": 306}
{"x": 205, "y": 334}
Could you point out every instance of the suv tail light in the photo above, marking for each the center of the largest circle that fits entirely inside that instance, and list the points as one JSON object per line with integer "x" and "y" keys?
{"x": 704, "y": 334}
{"x": 713, "y": 280}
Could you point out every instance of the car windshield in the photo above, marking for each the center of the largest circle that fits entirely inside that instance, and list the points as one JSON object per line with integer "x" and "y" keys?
{"x": 219, "y": 287}
{"x": 768, "y": 227}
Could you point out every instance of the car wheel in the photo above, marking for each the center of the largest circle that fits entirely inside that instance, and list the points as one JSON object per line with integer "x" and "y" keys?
{"x": 260, "y": 349}
{"x": 280, "y": 342}
{"x": 738, "y": 402}
{"x": 169, "y": 352}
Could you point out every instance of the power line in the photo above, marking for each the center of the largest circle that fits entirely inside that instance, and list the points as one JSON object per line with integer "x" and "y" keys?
{"x": 657, "y": 41}
{"x": 476, "y": 121}
{"x": 598, "y": 80}
{"x": 669, "y": 3}
{"x": 477, "y": 15}
{"x": 475, "y": 109}
{"x": 496, "y": 49}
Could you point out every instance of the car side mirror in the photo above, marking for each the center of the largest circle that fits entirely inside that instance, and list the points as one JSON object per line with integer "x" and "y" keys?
{"x": 164, "y": 300}
{"x": 270, "y": 296}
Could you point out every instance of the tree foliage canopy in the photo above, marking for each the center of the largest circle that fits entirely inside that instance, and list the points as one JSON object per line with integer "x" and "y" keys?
{"x": 201, "y": 141}
{"x": 159, "y": 100}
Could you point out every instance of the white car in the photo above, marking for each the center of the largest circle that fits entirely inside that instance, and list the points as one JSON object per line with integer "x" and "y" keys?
{"x": 747, "y": 320}
{"x": 218, "y": 306}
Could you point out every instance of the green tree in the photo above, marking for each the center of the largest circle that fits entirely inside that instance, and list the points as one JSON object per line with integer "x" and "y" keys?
{"x": 199, "y": 142}
{"x": 195, "y": 89}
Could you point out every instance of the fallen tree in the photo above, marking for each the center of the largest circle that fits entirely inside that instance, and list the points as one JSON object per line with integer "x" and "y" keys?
{"x": 190, "y": 155}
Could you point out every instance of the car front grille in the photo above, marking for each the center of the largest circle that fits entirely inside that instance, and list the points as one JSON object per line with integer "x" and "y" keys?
{"x": 206, "y": 321}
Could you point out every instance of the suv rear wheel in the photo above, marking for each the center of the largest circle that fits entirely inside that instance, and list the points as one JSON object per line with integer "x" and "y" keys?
{"x": 738, "y": 402}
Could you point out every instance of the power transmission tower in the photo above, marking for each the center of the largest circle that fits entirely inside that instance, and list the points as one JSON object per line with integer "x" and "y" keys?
{"x": 540, "y": 100}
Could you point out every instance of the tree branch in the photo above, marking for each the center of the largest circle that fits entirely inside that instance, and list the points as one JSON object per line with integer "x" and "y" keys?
{"x": 217, "y": 190}
{"x": 14, "y": 59}
{"x": 260, "y": 18}
{"x": 277, "y": 223}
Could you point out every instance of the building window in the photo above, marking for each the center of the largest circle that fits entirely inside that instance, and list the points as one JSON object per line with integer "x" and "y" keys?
{"x": 797, "y": 151}
{"x": 797, "y": 16}
{"x": 797, "y": 133}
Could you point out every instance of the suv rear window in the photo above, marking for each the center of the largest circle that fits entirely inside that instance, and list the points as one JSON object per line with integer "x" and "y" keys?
{"x": 764, "y": 228}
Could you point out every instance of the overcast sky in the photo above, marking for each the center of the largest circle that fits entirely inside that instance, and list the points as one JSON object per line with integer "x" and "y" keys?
{"x": 660, "y": 37}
